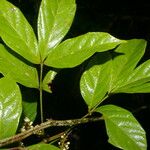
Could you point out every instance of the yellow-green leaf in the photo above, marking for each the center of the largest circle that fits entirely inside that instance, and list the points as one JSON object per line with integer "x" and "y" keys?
{"x": 17, "y": 33}
{"x": 43, "y": 147}
{"x": 95, "y": 80}
{"x": 54, "y": 21}
{"x": 47, "y": 81}
{"x": 73, "y": 52}
{"x": 18, "y": 70}
{"x": 10, "y": 107}
{"x": 126, "y": 76}
{"x": 125, "y": 59}
{"x": 123, "y": 130}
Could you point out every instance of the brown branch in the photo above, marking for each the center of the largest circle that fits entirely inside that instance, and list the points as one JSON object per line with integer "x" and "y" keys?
{"x": 48, "y": 123}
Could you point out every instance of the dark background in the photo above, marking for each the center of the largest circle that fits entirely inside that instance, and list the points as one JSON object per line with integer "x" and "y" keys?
{"x": 123, "y": 19}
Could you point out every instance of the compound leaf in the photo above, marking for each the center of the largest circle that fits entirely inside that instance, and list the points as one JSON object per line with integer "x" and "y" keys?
{"x": 116, "y": 72}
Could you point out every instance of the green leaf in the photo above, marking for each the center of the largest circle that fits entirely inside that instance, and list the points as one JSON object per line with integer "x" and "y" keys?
{"x": 17, "y": 69}
{"x": 127, "y": 57}
{"x": 30, "y": 109}
{"x": 73, "y": 52}
{"x": 115, "y": 72}
{"x": 48, "y": 80}
{"x": 138, "y": 81}
{"x": 17, "y": 33}
{"x": 10, "y": 107}
{"x": 95, "y": 80}
{"x": 123, "y": 129}
{"x": 54, "y": 21}
{"x": 43, "y": 147}
{"x": 29, "y": 103}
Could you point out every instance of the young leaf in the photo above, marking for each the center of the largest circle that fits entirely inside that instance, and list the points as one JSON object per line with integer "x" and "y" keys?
{"x": 43, "y": 147}
{"x": 47, "y": 81}
{"x": 17, "y": 33}
{"x": 127, "y": 56}
{"x": 17, "y": 69}
{"x": 10, "y": 107}
{"x": 95, "y": 80}
{"x": 123, "y": 129}
{"x": 54, "y": 21}
{"x": 73, "y": 52}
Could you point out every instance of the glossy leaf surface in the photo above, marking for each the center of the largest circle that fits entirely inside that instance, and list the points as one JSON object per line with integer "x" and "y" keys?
{"x": 95, "y": 80}
{"x": 123, "y": 65}
{"x": 123, "y": 129}
{"x": 119, "y": 75}
{"x": 30, "y": 99}
{"x": 54, "y": 21}
{"x": 138, "y": 81}
{"x": 47, "y": 81}
{"x": 10, "y": 107}
{"x": 17, "y": 33}
{"x": 73, "y": 52}
{"x": 30, "y": 109}
{"x": 29, "y": 102}
{"x": 43, "y": 147}
{"x": 17, "y": 69}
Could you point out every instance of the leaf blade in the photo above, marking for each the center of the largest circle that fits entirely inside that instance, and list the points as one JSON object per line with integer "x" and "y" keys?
{"x": 138, "y": 81}
{"x": 43, "y": 147}
{"x": 131, "y": 78}
{"x": 54, "y": 21}
{"x": 123, "y": 65}
{"x": 17, "y": 33}
{"x": 29, "y": 103}
{"x": 47, "y": 81}
{"x": 10, "y": 107}
{"x": 123, "y": 129}
{"x": 73, "y": 52}
{"x": 17, "y": 69}
{"x": 95, "y": 80}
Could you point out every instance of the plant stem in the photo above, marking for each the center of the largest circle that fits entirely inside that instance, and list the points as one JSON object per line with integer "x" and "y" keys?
{"x": 49, "y": 123}
{"x": 53, "y": 138}
{"x": 41, "y": 92}
{"x": 93, "y": 109}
